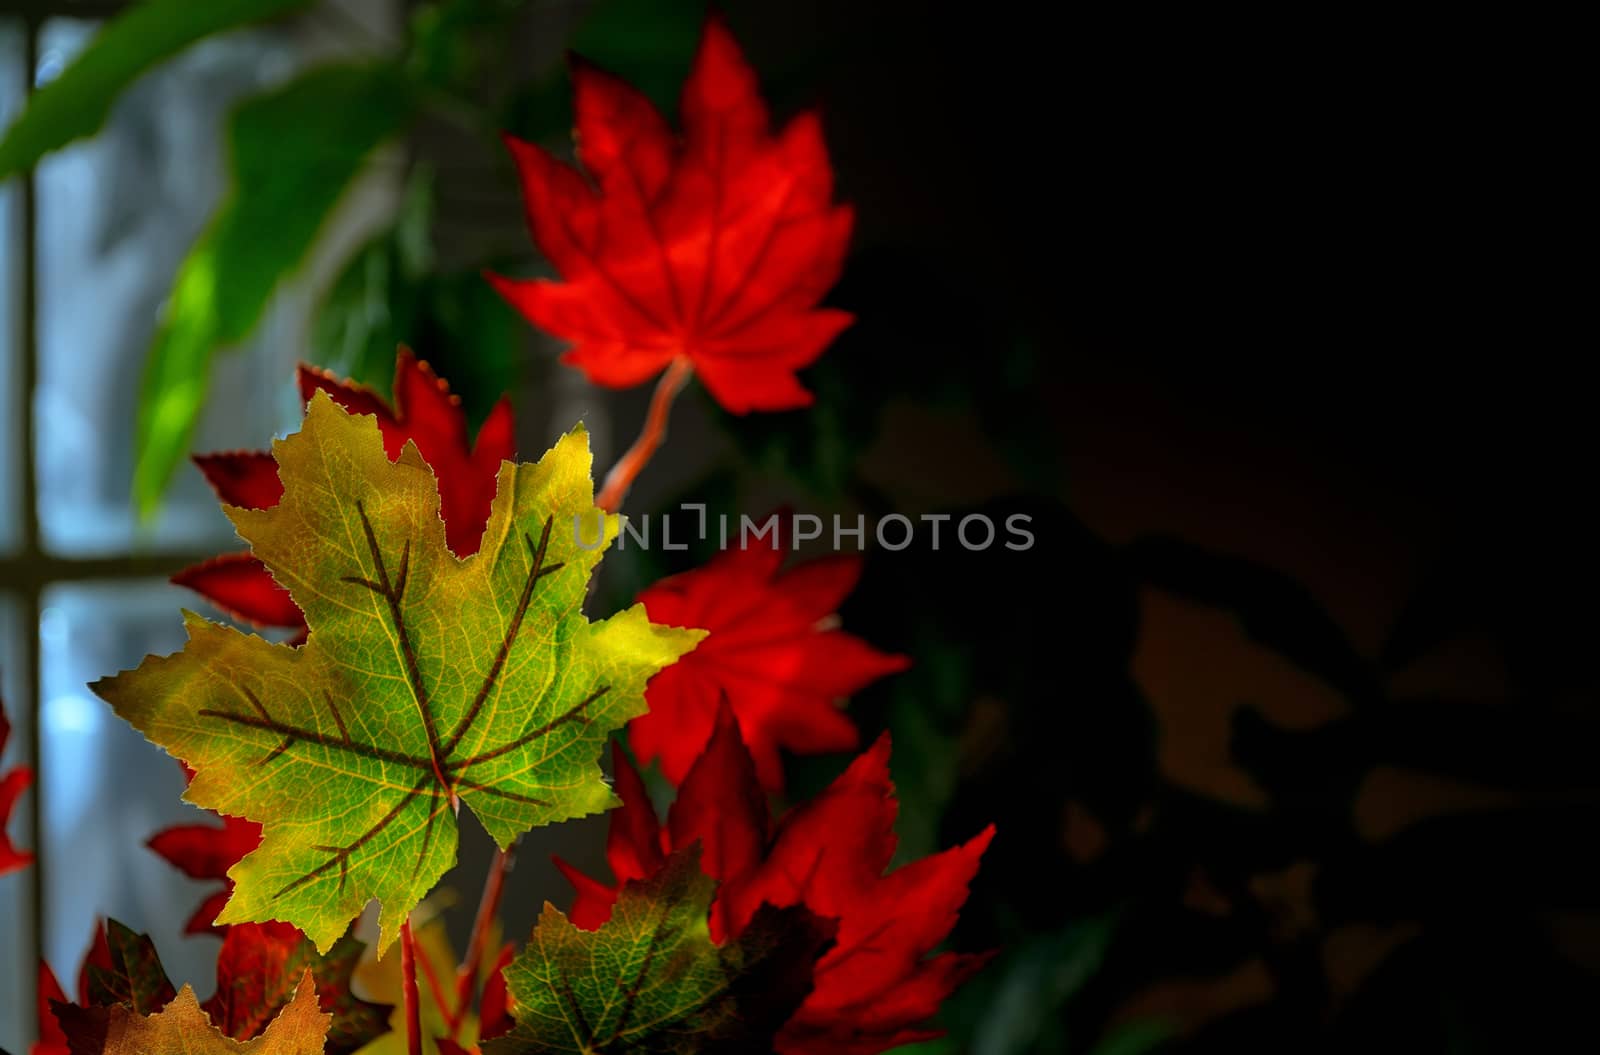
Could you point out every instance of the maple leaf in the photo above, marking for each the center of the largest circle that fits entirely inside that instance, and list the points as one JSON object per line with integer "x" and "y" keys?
{"x": 123, "y": 968}
{"x": 720, "y": 806}
{"x": 714, "y": 248}
{"x": 876, "y": 988}
{"x": 259, "y": 962}
{"x": 258, "y": 968}
{"x": 241, "y": 586}
{"x": 426, "y": 680}
{"x": 206, "y": 851}
{"x": 12, "y": 785}
{"x": 775, "y": 653}
{"x": 52, "y": 1041}
{"x": 652, "y": 980}
{"x": 424, "y": 412}
{"x": 299, "y": 1029}
{"x": 257, "y": 971}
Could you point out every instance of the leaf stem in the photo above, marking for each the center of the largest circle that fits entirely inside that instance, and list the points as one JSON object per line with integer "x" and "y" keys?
{"x": 628, "y": 467}
{"x": 413, "y": 1004}
{"x": 488, "y": 909}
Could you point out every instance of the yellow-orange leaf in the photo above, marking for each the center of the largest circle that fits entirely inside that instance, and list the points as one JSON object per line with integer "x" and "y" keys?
{"x": 183, "y": 1029}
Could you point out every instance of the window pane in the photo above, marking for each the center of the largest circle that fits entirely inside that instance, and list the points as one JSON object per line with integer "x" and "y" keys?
{"x": 12, "y": 84}
{"x": 16, "y": 934}
{"x": 105, "y": 788}
{"x": 117, "y": 213}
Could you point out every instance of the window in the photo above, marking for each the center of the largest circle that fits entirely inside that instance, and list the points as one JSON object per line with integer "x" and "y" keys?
{"x": 88, "y": 247}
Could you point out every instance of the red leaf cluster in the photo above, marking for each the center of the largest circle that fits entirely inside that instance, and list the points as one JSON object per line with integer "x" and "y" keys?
{"x": 877, "y": 988}
{"x": 425, "y": 413}
{"x": 714, "y": 246}
{"x": 774, "y": 653}
{"x": 258, "y": 968}
{"x": 12, "y": 785}
{"x": 257, "y": 971}
{"x": 120, "y": 967}
{"x": 52, "y": 1039}
{"x": 709, "y": 250}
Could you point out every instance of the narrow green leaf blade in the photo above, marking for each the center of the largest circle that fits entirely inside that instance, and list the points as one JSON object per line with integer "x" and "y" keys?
{"x": 75, "y": 104}
{"x": 293, "y": 152}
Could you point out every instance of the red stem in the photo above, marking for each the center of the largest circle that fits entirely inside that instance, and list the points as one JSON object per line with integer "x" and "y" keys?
{"x": 627, "y": 469}
{"x": 408, "y": 974}
{"x": 488, "y": 909}
{"x": 436, "y": 990}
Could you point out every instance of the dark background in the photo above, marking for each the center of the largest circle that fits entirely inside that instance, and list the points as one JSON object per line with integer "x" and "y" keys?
{"x": 1257, "y": 316}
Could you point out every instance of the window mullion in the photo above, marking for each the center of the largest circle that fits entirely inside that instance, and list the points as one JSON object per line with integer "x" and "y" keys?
{"x": 27, "y": 350}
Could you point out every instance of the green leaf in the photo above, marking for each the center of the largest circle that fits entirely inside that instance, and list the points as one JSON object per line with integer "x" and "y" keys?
{"x": 651, "y": 979}
{"x": 455, "y": 42}
{"x": 1025, "y": 1011}
{"x": 426, "y": 680}
{"x": 1136, "y": 1038}
{"x": 368, "y": 312}
{"x": 473, "y": 337}
{"x": 372, "y": 307}
{"x": 654, "y": 42}
{"x": 76, "y": 103}
{"x": 135, "y": 977}
{"x": 389, "y": 294}
{"x": 293, "y": 152}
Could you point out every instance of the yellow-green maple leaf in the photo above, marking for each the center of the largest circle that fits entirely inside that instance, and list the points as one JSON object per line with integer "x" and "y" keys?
{"x": 183, "y": 1029}
{"x": 425, "y": 678}
{"x": 650, "y": 981}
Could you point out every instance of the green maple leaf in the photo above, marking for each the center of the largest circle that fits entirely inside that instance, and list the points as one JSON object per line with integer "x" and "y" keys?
{"x": 426, "y": 680}
{"x": 652, "y": 981}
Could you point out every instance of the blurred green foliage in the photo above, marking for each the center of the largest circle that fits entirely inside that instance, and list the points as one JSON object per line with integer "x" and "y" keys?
{"x": 393, "y": 292}
{"x": 293, "y": 151}
{"x": 76, "y": 103}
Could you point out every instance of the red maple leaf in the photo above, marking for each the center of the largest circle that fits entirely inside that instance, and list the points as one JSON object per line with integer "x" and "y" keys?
{"x": 205, "y": 851}
{"x": 775, "y": 653}
{"x": 877, "y": 988}
{"x": 424, "y": 412}
{"x": 713, "y": 247}
{"x": 12, "y": 785}
{"x": 257, "y": 971}
{"x": 52, "y": 1040}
